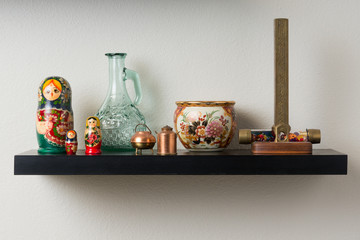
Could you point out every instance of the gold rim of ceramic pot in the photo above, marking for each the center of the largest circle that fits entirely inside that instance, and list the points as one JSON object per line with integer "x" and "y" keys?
{"x": 205, "y": 103}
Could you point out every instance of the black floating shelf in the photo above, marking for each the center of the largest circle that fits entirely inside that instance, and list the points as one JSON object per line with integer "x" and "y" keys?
{"x": 228, "y": 162}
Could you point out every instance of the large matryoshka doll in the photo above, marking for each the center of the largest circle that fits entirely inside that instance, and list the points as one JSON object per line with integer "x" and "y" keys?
{"x": 54, "y": 115}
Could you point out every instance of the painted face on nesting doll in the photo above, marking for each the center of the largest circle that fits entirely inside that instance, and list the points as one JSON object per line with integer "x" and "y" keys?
{"x": 92, "y": 122}
{"x": 71, "y": 134}
{"x": 52, "y": 89}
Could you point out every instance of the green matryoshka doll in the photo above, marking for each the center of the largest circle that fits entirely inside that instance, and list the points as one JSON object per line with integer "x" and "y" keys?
{"x": 54, "y": 114}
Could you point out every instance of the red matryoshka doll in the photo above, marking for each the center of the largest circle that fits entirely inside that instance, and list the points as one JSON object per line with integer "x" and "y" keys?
{"x": 71, "y": 143}
{"x": 92, "y": 136}
{"x": 54, "y": 114}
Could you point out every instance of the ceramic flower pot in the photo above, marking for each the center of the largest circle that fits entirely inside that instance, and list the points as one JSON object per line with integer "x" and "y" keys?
{"x": 205, "y": 126}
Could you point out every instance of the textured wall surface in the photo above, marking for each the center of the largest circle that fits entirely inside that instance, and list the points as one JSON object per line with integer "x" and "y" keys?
{"x": 183, "y": 50}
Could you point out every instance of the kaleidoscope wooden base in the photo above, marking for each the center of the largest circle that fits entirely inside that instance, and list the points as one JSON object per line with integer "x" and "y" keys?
{"x": 281, "y": 148}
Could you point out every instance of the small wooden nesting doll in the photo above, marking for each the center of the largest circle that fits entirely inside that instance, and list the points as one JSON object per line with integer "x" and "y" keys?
{"x": 92, "y": 136}
{"x": 71, "y": 143}
{"x": 54, "y": 114}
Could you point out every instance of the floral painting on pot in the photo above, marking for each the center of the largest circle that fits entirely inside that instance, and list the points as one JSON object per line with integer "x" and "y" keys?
{"x": 205, "y": 126}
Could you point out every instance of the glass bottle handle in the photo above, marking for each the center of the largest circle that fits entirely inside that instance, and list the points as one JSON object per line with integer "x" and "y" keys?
{"x": 134, "y": 76}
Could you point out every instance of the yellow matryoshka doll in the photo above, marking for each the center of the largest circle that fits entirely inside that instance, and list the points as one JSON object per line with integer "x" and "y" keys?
{"x": 93, "y": 137}
{"x": 54, "y": 115}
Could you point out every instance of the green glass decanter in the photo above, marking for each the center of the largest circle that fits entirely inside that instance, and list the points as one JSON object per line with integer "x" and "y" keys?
{"x": 118, "y": 114}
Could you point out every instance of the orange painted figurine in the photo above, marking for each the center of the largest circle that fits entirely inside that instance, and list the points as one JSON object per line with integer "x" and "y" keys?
{"x": 71, "y": 143}
{"x": 54, "y": 114}
{"x": 92, "y": 136}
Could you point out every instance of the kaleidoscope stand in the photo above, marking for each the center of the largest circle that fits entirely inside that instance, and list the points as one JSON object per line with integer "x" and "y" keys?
{"x": 281, "y": 127}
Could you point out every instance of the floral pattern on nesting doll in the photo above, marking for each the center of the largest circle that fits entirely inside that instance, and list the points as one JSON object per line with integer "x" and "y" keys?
{"x": 71, "y": 143}
{"x": 54, "y": 114}
{"x": 93, "y": 135}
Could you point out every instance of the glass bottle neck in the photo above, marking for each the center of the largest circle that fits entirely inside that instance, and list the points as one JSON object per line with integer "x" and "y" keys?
{"x": 116, "y": 75}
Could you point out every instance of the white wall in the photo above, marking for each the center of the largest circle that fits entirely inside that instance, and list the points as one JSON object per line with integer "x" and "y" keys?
{"x": 183, "y": 50}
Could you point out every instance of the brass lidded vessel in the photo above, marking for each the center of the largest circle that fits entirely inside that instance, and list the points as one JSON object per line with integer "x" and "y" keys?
{"x": 143, "y": 140}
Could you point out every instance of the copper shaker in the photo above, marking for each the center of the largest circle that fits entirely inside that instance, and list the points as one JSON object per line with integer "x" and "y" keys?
{"x": 166, "y": 141}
